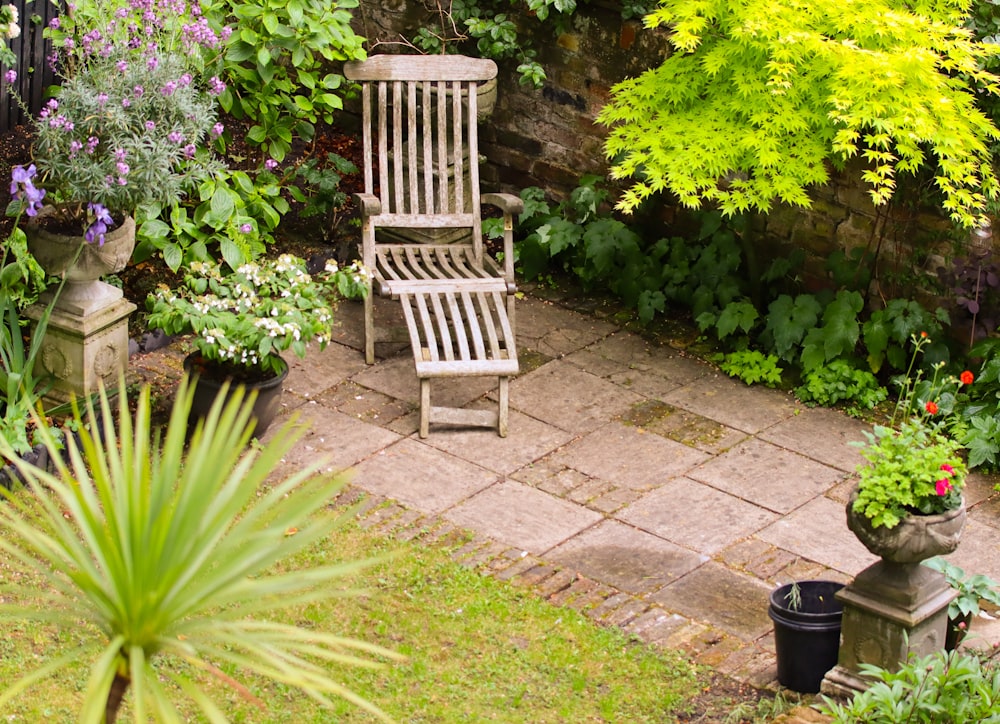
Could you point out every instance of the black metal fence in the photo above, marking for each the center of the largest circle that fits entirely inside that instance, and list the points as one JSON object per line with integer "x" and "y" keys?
{"x": 33, "y": 72}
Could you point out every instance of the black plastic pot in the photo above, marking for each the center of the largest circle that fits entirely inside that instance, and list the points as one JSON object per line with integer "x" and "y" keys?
{"x": 806, "y": 637}
{"x": 209, "y": 386}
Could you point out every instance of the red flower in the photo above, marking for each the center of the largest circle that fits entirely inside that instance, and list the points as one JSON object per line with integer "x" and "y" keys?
{"x": 923, "y": 335}
{"x": 931, "y": 407}
{"x": 966, "y": 378}
{"x": 942, "y": 486}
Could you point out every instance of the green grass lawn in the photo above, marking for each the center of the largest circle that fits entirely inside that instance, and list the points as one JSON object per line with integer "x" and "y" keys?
{"x": 477, "y": 649}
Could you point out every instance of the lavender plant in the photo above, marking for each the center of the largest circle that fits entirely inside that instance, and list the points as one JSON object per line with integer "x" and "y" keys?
{"x": 129, "y": 125}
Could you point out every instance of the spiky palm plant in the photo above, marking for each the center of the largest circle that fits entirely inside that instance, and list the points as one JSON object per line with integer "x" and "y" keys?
{"x": 167, "y": 544}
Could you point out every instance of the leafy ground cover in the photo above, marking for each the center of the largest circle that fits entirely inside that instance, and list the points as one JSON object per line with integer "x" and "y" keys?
{"x": 477, "y": 649}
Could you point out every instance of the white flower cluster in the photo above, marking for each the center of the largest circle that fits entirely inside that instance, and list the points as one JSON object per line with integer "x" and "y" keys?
{"x": 275, "y": 328}
{"x": 9, "y": 29}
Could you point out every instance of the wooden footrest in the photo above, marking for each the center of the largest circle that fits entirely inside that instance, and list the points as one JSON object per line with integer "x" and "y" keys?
{"x": 459, "y": 332}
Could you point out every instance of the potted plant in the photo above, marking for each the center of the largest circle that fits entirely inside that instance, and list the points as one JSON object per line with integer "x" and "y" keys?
{"x": 807, "y": 618}
{"x": 127, "y": 127}
{"x": 244, "y": 319}
{"x": 908, "y": 503}
{"x": 971, "y": 590}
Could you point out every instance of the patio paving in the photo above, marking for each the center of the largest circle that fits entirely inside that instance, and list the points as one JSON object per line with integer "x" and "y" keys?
{"x": 638, "y": 483}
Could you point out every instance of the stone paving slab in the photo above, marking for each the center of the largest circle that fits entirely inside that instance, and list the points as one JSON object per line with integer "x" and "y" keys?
{"x": 678, "y": 512}
{"x": 712, "y": 593}
{"x": 629, "y": 457}
{"x": 421, "y": 477}
{"x": 822, "y": 435}
{"x": 321, "y": 369}
{"x": 684, "y": 427}
{"x": 397, "y": 378}
{"x": 978, "y": 551}
{"x": 569, "y": 398}
{"x": 734, "y": 404}
{"x": 767, "y": 475}
{"x": 818, "y": 531}
{"x": 626, "y": 558}
{"x": 341, "y": 439}
{"x": 528, "y": 439}
{"x": 554, "y": 330}
{"x": 523, "y": 517}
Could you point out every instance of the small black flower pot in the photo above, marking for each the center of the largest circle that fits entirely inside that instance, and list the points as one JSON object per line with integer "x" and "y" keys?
{"x": 806, "y": 637}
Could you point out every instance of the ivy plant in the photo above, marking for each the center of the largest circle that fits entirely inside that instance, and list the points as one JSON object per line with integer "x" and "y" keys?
{"x": 758, "y": 99}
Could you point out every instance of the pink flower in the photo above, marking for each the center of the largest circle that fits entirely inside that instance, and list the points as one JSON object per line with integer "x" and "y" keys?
{"x": 942, "y": 486}
{"x": 948, "y": 468}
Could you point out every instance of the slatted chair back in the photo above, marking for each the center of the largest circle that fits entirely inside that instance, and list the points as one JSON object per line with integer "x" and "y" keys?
{"x": 420, "y": 144}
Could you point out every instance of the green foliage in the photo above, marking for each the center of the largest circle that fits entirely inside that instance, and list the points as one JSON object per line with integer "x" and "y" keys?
{"x": 21, "y": 278}
{"x": 743, "y": 118}
{"x": 940, "y": 688}
{"x": 493, "y": 26}
{"x": 971, "y": 589}
{"x": 235, "y": 211}
{"x": 22, "y": 388}
{"x": 977, "y": 424}
{"x": 167, "y": 546}
{"x": 887, "y": 333}
{"x": 838, "y": 381}
{"x": 278, "y": 65}
{"x": 752, "y": 367}
{"x": 837, "y": 333}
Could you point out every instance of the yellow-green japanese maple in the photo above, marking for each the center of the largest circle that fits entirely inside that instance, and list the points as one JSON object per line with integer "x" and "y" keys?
{"x": 757, "y": 100}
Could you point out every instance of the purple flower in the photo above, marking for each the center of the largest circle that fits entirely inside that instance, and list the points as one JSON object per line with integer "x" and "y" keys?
{"x": 138, "y": 90}
{"x": 92, "y": 143}
{"x": 102, "y": 98}
{"x": 184, "y": 80}
{"x": 189, "y": 150}
{"x": 270, "y": 164}
{"x": 23, "y": 188}
{"x": 152, "y": 63}
{"x": 175, "y": 136}
{"x": 246, "y": 228}
{"x": 217, "y": 130}
{"x": 102, "y": 220}
{"x": 54, "y": 23}
{"x": 215, "y": 86}
{"x": 122, "y": 66}
{"x": 122, "y": 167}
{"x": 11, "y": 77}
{"x": 126, "y": 103}
{"x": 150, "y": 125}
{"x": 169, "y": 88}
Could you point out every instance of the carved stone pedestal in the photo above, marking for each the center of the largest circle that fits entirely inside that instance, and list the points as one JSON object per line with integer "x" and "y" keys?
{"x": 83, "y": 351}
{"x": 890, "y": 611}
{"x": 895, "y": 607}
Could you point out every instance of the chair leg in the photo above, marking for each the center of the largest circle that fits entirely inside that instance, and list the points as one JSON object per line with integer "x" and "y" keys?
{"x": 425, "y": 406}
{"x": 369, "y": 329}
{"x": 504, "y": 396}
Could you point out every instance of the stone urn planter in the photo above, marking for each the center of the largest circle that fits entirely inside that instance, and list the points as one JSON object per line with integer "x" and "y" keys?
{"x": 895, "y": 608}
{"x": 212, "y": 377}
{"x": 86, "y": 337}
{"x": 82, "y": 263}
{"x": 916, "y": 538}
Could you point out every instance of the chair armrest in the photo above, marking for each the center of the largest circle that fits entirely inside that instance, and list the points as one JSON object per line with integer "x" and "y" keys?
{"x": 368, "y": 204}
{"x": 508, "y": 203}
